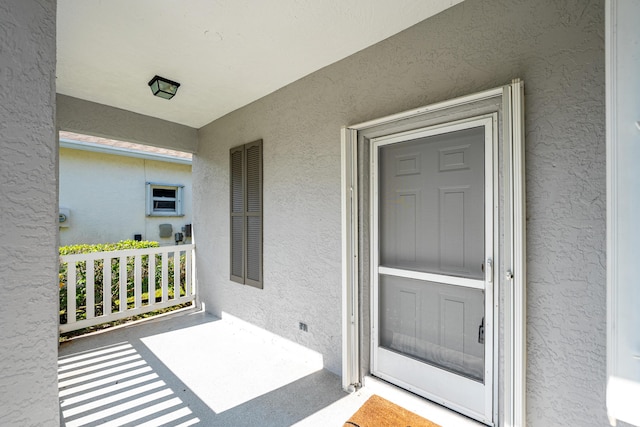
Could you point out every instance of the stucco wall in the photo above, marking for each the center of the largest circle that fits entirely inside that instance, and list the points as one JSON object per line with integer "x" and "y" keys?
{"x": 106, "y": 197}
{"x": 28, "y": 235}
{"x": 89, "y": 118}
{"x": 558, "y": 49}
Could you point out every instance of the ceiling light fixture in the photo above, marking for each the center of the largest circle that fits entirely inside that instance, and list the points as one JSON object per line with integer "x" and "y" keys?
{"x": 164, "y": 88}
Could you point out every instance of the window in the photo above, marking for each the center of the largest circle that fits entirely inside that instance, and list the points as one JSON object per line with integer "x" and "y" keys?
{"x": 164, "y": 199}
{"x": 246, "y": 214}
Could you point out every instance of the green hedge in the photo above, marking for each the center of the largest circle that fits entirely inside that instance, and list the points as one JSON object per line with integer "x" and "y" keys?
{"x": 81, "y": 274}
{"x": 107, "y": 247}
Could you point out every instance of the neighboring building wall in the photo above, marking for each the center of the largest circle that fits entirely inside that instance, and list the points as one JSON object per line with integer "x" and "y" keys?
{"x": 28, "y": 235}
{"x": 106, "y": 197}
{"x": 557, "y": 48}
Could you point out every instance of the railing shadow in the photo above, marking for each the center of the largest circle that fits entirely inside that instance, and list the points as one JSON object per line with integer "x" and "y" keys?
{"x": 121, "y": 385}
{"x": 114, "y": 379}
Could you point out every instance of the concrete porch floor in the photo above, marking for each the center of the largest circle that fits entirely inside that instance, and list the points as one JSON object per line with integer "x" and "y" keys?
{"x": 196, "y": 369}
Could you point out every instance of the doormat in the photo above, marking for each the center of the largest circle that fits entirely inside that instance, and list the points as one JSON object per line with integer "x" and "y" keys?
{"x": 379, "y": 412}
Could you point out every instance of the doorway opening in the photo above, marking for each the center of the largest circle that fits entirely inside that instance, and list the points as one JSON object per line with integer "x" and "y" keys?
{"x": 432, "y": 218}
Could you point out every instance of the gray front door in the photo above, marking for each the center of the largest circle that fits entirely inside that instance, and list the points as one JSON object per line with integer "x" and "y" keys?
{"x": 432, "y": 259}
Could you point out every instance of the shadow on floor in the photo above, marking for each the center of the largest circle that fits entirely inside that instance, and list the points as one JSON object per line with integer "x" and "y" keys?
{"x": 115, "y": 379}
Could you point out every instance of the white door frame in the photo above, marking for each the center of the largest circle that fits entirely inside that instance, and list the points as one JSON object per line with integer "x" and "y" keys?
{"x": 512, "y": 280}
{"x": 623, "y": 134}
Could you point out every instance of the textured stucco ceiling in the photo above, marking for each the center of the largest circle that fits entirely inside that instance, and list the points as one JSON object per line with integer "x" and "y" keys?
{"x": 225, "y": 53}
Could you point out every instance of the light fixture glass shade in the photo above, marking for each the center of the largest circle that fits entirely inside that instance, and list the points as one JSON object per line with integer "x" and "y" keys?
{"x": 164, "y": 88}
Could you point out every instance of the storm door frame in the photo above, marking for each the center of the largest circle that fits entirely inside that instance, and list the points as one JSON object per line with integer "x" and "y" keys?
{"x": 513, "y": 277}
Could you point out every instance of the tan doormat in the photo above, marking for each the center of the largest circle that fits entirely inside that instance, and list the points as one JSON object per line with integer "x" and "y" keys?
{"x": 379, "y": 412}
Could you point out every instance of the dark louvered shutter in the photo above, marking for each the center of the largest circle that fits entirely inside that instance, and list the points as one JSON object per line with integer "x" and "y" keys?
{"x": 237, "y": 214}
{"x": 253, "y": 153}
{"x": 246, "y": 214}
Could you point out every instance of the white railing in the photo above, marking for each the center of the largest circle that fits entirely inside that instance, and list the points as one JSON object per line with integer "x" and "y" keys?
{"x": 101, "y": 287}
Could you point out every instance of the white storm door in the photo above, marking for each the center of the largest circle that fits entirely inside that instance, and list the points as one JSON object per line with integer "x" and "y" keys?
{"x": 432, "y": 240}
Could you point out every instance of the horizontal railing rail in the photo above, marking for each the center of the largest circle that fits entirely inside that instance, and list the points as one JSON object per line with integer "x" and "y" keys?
{"x": 101, "y": 287}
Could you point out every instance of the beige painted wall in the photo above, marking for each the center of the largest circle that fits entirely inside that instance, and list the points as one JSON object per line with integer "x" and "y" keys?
{"x": 106, "y": 196}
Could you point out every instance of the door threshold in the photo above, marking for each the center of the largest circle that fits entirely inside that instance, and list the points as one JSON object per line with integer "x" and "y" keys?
{"x": 423, "y": 407}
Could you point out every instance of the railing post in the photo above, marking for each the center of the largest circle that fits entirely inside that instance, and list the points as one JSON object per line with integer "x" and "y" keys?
{"x": 71, "y": 292}
{"x": 90, "y": 285}
{"x": 106, "y": 286}
{"x": 165, "y": 276}
{"x": 176, "y": 274}
{"x": 137, "y": 280}
{"x": 152, "y": 278}
{"x": 123, "y": 284}
{"x": 187, "y": 272}
{"x": 194, "y": 283}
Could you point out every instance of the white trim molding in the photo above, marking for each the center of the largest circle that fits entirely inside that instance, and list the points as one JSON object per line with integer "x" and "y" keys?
{"x": 121, "y": 151}
{"x": 622, "y": 50}
{"x": 456, "y": 102}
{"x": 350, "y": 340}
{"x": 512, "y": 279}
{"x": 515, "y": 321}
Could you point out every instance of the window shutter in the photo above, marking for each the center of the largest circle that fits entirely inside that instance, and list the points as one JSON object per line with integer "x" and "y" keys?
{"x": 237, "y": 214}
{"x": 246, "y": 214}
{"x": 253, "y": 153}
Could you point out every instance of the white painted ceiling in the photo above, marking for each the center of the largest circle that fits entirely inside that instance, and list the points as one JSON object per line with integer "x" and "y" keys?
{"x": 225, "y": 53}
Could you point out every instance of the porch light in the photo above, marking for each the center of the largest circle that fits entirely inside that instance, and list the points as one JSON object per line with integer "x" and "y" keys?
{"x": 164, "y": 88}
